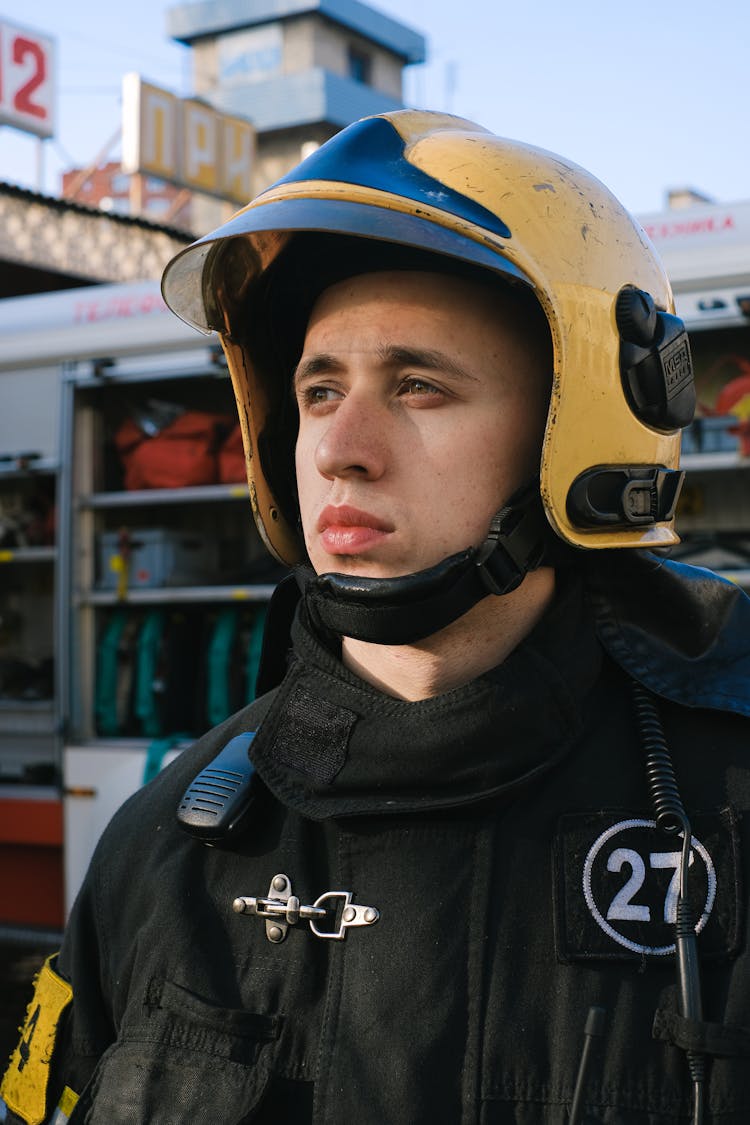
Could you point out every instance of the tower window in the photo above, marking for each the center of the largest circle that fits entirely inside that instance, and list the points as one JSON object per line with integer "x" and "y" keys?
{"x": 360, "y": 65}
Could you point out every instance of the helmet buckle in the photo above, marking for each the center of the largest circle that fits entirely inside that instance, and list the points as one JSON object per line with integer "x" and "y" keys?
{"x": 624, "y": 496}
{"x": 514, "y": 543}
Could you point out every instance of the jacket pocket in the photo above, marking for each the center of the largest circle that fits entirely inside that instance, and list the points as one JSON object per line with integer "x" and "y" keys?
{"x": 184, "y": 1061}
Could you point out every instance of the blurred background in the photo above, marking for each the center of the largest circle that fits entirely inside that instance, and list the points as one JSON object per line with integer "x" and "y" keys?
{"x": 133, "y": 584}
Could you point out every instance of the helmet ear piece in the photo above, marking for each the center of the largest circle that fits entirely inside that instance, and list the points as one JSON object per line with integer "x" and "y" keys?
{"x": 655, "y": 362}
{"x": 657, "y": 377}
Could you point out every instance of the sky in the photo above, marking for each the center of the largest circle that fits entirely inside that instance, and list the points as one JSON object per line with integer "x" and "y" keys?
{"x": 648, "y": 95}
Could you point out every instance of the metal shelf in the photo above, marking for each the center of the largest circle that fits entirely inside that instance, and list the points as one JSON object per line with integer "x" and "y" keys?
{"x": 119, "y": 742}
{"x": 99, "y": 374}
{"x": 159, "y": 496}
{"x": 28, "y": 554}
{"x": 11, "y": 791}
{"x": 23, "y": 717}
{"x": 20, "y": 467}
{"x": 165, "y": 595}
{"x": 24, "y": 935}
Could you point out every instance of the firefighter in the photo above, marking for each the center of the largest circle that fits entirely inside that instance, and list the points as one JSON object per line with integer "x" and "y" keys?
{"x": 476, "y": 853}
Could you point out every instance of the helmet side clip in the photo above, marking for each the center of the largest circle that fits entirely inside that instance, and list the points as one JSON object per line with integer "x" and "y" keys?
{"x": 624, "y": 496}
{"x": 655, "y": 362}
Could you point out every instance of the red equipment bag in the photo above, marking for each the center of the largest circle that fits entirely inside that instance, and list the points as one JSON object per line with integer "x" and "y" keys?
{"x": 183, "y": 453}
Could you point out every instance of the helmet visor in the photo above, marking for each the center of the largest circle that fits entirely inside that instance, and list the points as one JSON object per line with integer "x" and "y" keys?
{"x": 193, "y": 280}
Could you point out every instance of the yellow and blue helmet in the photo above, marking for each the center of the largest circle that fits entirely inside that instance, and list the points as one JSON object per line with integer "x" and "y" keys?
{"x": 431, "y": 183}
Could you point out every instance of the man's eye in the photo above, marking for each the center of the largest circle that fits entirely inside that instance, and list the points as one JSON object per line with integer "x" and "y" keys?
{"x": 312, "y": 396}
{"x": 419, "y": 387}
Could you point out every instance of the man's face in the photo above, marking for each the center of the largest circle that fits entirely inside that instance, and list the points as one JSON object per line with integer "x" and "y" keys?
{"x": 421, "y": 411}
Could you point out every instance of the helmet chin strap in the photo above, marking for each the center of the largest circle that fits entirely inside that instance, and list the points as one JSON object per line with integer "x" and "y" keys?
{"x": 399, "y": 611}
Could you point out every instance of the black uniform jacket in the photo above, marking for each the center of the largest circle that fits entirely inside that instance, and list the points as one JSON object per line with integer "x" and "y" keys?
{"x": 504, "y": 834}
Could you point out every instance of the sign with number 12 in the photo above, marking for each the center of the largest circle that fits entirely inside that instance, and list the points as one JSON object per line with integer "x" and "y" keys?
{"x": 27, "y": 80}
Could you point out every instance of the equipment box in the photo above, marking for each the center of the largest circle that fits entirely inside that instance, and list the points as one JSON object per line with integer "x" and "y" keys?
{"x": 154, "y": 557}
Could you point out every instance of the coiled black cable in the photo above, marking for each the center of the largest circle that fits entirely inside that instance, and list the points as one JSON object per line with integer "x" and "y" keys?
{"x": 670, "y": 816}
{"x": 669, "y": 812}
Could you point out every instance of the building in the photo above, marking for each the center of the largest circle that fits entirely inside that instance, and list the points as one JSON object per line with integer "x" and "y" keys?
{"x": 301, "y": 70}
{"x": 110, "y": 189}
{"x": 51, "y": 243}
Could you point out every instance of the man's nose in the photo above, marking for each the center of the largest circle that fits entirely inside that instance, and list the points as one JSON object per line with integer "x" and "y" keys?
{"x": 355, "y": 440}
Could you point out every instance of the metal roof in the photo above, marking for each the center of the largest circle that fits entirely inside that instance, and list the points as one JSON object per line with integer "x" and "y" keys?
{"x": 188, "y": 22}
{"x": 58, "y": 203}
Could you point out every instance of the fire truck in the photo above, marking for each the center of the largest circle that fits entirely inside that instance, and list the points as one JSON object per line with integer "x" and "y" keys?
{"x": 133, "y": 584}
{"x": 706, "y": 251}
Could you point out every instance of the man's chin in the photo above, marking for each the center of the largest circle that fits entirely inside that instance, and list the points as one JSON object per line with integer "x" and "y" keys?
{"x": 358, "y": 566}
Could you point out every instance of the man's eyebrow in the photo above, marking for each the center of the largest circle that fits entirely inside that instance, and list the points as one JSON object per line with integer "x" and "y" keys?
{"x": 391, "y": 355}
{"x": 401, "y": 355}
{"x": 317, "y": 364}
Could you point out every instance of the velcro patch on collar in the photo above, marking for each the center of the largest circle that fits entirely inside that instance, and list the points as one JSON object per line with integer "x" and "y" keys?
{"x": 312, "y": 735}
{"x": 24, "y": 1086}
{"x": 616, "y": 885}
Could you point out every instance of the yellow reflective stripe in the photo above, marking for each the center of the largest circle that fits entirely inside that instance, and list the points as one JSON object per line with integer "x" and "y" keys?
{"x": 68, "y": 1101}
{"x": 24, "y": 1086}
{"x": 65, "y": 1107}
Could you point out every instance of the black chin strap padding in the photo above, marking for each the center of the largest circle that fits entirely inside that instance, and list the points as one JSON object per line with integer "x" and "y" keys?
{"x": 394, "y": 610}
{"x": 408, "y": 608}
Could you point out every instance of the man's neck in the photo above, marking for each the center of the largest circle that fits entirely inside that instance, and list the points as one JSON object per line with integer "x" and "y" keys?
{"x": 473, "y": 644}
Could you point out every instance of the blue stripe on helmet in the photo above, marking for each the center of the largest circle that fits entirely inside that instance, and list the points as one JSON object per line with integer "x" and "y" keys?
{"x": 370, "y": 153}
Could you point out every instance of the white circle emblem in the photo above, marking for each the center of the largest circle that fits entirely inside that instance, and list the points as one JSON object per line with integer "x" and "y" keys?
{"x": 622, "y": 908}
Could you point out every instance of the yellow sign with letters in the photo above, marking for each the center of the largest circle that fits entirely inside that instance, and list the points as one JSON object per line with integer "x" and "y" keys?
{"x": 186, "y": 142}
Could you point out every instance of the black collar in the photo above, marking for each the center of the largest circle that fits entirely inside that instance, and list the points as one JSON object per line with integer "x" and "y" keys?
{"x": 331, "y": 745}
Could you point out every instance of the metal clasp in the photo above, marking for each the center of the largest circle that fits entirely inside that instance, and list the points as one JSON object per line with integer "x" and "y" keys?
{"x": 281, "y": 909}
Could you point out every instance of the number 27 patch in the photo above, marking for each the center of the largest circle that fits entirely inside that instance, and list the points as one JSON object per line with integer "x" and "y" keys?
{"x": 616, "y": 886}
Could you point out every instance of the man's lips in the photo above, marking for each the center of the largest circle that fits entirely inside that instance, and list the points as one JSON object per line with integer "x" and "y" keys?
{"x": 349, "y": 531}
{"x": 345, "y": 516}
